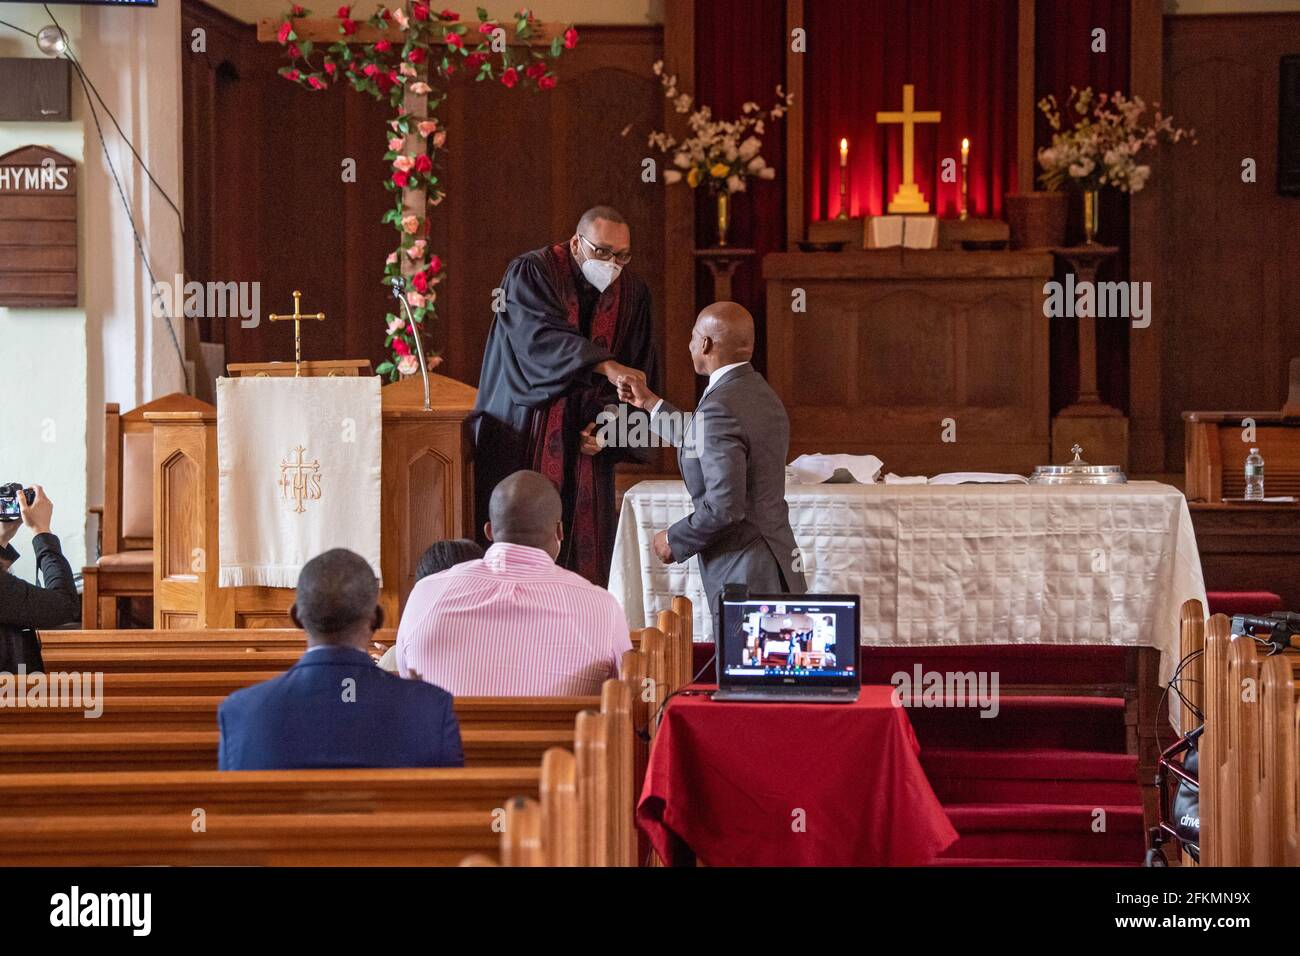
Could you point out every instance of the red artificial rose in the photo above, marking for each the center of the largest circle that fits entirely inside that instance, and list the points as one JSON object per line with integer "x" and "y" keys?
{"x": 344, "y": 12}
{"x": 454, "y": 40}
{"x": 315, "y": 82}
{"x": 510, "y": 77}
{"x": 282, "y": 34}
{"x": 370, "y": 69}
{"x": 423, "y": 164}
{"x": 294, "y": 51}
{"x": 535, "y": 69}
{"x": 297, "y": 10}
{"x": 435, "y": 265}
{"x": 349, "y": 27}
{"x": 450, "y": 15}
{"x": 487, "y": 27}
{"x": 421, "y": 282}
{"x": 570, "y": 38}
{"x": 391, "y": 77}
{"x": 400, "y": 179}
{"x": 547, "y": 82}
{"x": 416, "y": 55}
{"x": 291, "y": 75}
{"x": 329, "y": 67}
{"x": 419, "y": 11}
{"x": 475, "y": 60}
{"x": 450, "y": 69}
{"x": 383, "y": 46}
{"x": 400, "y": 347}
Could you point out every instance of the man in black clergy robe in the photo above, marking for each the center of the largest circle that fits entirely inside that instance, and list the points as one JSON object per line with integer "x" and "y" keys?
{"x": 573, "y": 321}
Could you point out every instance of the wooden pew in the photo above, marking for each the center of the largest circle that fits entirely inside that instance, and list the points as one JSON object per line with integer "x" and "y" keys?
{"x": 1274, "y": 800}
{"x": 161, "y": 713}
{"x": 84, "y": 752}
{"x": 264, "y": 791}
{"x": 289, "y": 839}
{"x": 146, "y": 639}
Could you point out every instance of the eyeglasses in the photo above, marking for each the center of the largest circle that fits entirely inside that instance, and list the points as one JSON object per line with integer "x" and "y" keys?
{"x": 605, "y": 253}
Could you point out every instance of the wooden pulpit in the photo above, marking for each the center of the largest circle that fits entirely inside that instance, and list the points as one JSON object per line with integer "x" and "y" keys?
{"x": 427, "y": 486}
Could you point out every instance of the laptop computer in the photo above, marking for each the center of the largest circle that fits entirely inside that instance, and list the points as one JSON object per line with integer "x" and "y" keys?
{"x": 787, "y": 647}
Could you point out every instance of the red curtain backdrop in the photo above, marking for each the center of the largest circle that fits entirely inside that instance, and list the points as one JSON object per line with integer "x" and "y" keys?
{"x": 961, "y": 57}
{"x": 1063, "y": 58}
{"x": 740, "y": 56}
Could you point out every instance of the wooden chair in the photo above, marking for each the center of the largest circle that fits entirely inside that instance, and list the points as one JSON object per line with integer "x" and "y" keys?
{"x": 125, "y": 564}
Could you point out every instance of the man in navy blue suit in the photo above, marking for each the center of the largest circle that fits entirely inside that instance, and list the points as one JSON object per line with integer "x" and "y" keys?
{"x": 335, "y": 708}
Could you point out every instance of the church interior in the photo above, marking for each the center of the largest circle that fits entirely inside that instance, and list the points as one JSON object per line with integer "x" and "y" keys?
{"x": 1019, "y": 274}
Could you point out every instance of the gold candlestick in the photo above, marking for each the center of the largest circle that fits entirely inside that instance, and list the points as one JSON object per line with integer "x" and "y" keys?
{"x": 844, "y": 186}
{"x": 965, "y": 176}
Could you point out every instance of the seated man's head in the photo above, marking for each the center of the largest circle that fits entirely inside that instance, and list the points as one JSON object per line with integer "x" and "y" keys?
{"x": 442, "y": 555}
{"x": 338, "y": 600}
{"x": 525, "y": 509}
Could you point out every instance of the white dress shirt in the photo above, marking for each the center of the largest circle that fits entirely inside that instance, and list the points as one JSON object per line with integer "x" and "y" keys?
{"x": 715, "y": 377}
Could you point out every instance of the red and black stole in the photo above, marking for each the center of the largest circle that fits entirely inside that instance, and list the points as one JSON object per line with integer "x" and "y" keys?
{"x": 554, "y": 438}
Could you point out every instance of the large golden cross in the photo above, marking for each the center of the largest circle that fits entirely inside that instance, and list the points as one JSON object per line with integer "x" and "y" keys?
{"x": 298, "y": 316}
{"x": 908, "y": 198}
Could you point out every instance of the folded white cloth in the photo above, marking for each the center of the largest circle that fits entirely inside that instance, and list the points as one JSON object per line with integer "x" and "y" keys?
{"x": 893, "y": 479}
{"x": 817, "y": 469}
{"x": 978, "y": 478}
{"x": 299, "y": 466}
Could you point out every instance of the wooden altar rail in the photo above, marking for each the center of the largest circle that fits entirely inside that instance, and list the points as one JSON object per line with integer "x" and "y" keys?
{"x": 427, "y": 495}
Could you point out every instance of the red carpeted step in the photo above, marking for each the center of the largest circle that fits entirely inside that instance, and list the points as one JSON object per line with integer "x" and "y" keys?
{"x": 1062, "y": 723}
{"x": 994, "y": 861}
{"x": 1046, "y": 832}
{"x": 1031, "y": 776}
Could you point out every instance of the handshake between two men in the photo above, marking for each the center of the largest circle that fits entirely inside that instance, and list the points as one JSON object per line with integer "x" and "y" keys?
{"x": 738, "y": 439}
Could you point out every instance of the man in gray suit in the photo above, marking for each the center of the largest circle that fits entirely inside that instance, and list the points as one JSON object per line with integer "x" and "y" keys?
{"x": 732, "y": 459}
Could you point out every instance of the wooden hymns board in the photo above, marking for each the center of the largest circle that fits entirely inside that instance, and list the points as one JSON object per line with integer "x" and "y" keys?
{"x": 38, "y": 228}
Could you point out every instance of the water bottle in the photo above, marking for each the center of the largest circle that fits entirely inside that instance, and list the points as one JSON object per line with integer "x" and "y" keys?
{"x": 1254, "y": 476}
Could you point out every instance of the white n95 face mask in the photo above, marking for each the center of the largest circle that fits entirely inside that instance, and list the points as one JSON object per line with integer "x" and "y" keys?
{"x": 601, "y": 273}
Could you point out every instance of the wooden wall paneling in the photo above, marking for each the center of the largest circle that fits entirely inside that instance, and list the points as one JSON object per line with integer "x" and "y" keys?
{"x": 796, "y": 214}
{"x": 1230, "y": 290}
{"x": 679, "y": 222}
{"x": 1026, "y": 97}
{"x": 1148, "y": 450}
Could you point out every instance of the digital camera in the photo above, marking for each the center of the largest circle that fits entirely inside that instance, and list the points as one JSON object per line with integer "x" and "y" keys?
{"x": 9, "y": 508}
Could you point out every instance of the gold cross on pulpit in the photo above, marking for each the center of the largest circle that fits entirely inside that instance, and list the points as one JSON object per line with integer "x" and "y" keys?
{"x": 908, "y": 198}
{"x": 298, "y": 316}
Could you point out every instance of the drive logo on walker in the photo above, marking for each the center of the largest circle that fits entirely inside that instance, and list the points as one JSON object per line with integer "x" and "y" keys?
{"x": 74, "y": 909}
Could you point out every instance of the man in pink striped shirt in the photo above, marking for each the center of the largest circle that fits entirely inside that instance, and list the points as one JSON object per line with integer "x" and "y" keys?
{"x": 514, "y": 623}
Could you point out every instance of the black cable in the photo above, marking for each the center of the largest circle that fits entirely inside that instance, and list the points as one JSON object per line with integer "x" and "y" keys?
{"x": 135, "y": 233}
{"x": 86, "y": 81}
{"x": 6, "y": 23}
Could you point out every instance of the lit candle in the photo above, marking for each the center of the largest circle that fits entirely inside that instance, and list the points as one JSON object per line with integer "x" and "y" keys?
{"x": 844, "y": 152}
{"x": 965, "y": 149}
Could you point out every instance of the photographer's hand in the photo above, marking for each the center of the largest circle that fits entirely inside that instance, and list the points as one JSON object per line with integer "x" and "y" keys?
{"x": 37, "y": 514}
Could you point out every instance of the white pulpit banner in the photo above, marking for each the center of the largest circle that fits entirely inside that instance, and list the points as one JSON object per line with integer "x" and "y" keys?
{"x": 299, "y": 463}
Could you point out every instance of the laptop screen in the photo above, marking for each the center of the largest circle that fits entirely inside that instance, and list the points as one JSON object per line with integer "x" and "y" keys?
{"x": 789, "y": 639}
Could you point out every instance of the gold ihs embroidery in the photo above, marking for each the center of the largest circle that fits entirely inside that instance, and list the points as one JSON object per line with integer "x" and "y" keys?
{"x": 299, "y": 480}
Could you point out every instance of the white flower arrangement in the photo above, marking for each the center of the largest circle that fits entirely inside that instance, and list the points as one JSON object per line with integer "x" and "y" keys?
{"x": 1102, "y": 147}
{"x": 722, "y": 155}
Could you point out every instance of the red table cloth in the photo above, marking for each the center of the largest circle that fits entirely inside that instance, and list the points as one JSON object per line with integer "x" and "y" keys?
{"x": 780, "y": 784}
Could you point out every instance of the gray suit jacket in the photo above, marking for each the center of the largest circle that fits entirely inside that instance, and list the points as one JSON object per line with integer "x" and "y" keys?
{"x": 732, "y": 459}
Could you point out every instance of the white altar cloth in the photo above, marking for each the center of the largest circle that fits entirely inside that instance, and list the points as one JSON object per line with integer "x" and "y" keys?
{"x": 964, "y": 564}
